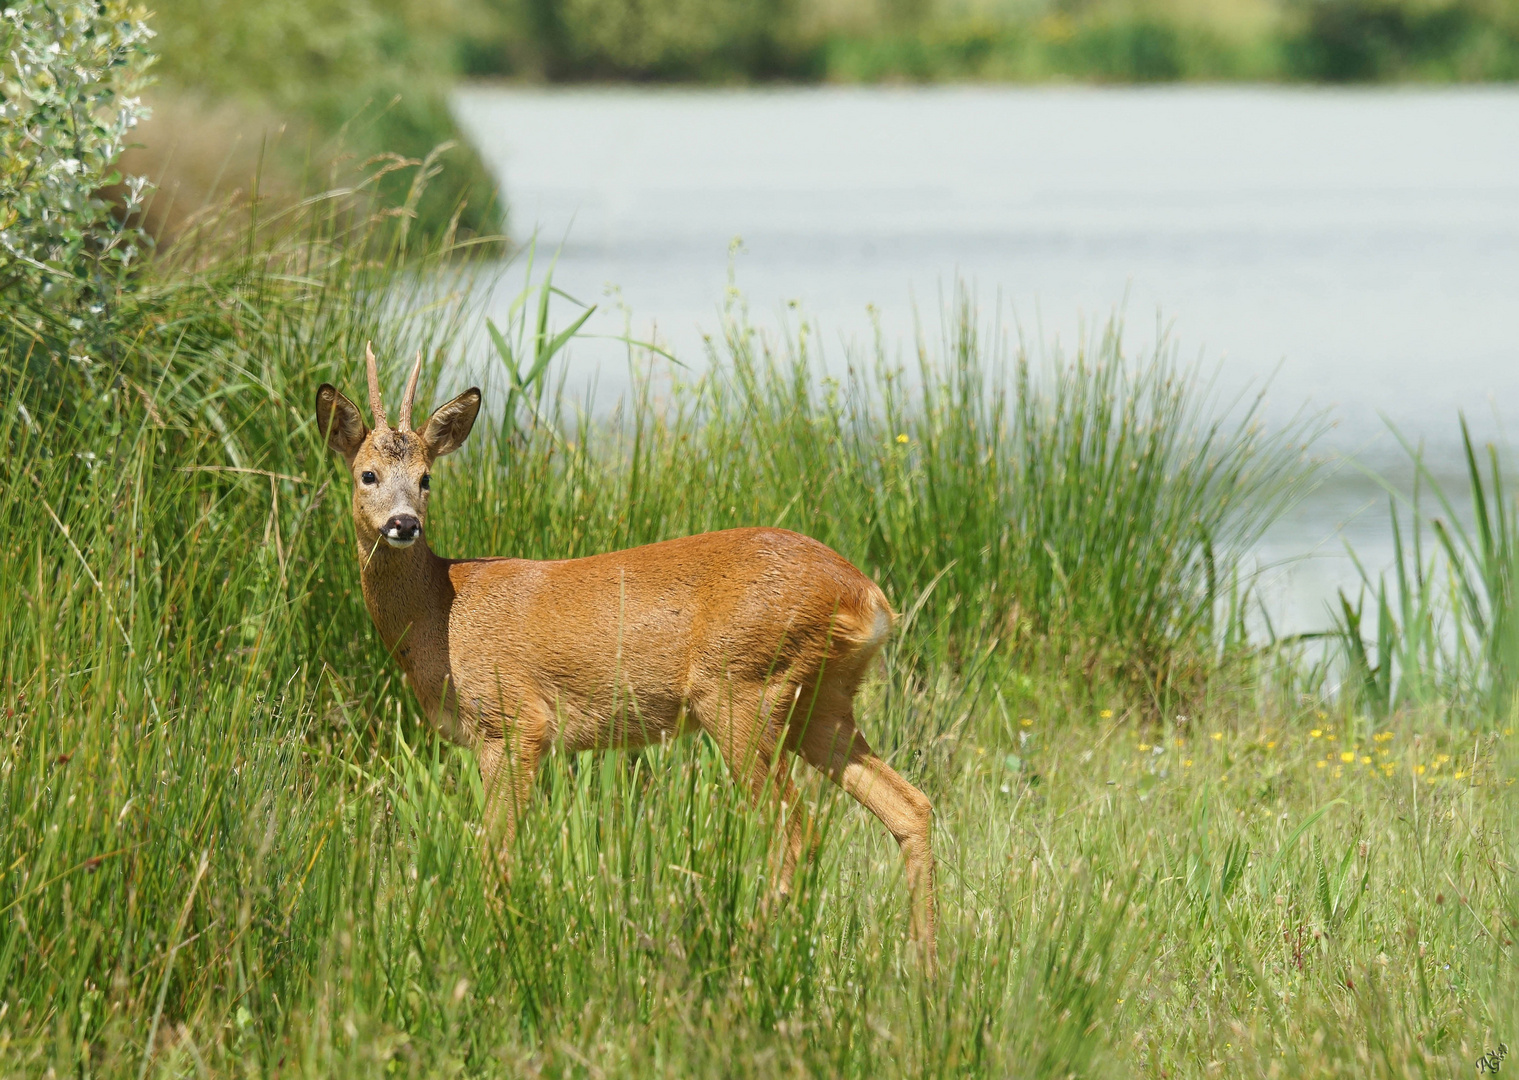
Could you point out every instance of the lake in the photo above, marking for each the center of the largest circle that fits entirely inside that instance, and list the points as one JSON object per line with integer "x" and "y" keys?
{"x": 1358, "y": 249}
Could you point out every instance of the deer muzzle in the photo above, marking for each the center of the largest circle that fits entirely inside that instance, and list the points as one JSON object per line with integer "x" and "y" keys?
{"x": 401, "y": 531}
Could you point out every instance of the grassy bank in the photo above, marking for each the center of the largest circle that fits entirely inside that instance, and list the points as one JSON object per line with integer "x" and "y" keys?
{"x": 228, "y": 848}
{"x": 283, "y": 97}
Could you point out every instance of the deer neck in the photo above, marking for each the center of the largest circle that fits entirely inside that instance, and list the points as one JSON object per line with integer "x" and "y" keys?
{"x": 409, "y": 594}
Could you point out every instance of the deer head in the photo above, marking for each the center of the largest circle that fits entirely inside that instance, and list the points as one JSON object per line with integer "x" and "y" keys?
{"x": 392, "y": 466}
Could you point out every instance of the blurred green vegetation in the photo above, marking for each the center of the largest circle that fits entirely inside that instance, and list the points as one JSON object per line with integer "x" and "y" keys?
{"x": 1020, "y": 40}
{"x": 354, "y": 79}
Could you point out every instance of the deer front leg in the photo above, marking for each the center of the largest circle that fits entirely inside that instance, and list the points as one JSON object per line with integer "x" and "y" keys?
{"x": 508, "y": 769}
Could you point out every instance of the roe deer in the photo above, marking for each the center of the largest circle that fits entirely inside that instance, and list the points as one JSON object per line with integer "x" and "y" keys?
{"x": 759, "y": 637}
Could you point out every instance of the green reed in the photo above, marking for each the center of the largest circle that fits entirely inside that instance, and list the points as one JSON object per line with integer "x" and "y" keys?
{"x": 1444, "y": 630}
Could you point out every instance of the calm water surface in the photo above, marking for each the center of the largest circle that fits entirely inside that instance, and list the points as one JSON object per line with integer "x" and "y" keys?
{"x": 1358, "y": 249}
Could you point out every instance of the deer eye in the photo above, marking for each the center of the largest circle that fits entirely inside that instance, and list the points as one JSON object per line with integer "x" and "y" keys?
{"x": 368, "y": 477}
{"x": 426, "y": 481}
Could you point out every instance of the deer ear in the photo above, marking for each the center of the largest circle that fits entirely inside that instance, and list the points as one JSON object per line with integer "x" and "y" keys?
{"x": 339, "y": 421}
{"x": 448, "y": 427}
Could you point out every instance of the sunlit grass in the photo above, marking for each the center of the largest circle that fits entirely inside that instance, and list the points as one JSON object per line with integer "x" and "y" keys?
{"x": 228, "y": 848}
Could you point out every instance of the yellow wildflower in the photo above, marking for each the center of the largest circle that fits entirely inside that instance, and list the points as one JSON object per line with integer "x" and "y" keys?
{"x": 1347, "y": 756}
{"x": 1322, "y": 764}
{"x": 1026, "y": 722}
{"x": 1106, "y": 714}
{"x": 1217, "y": 736}
{"x": 1315, "y": 733}
{"x": 902, "y": 438}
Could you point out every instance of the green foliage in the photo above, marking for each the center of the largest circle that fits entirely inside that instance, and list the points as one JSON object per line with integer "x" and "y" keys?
{"x": 673, "y": 38}
{"x": 282, "y": 50}
{"x": 70, "y": 76}
{"x": 1031, "y": 40}
{"x": 705, "y": 40}
{"x": 1106, "y": 46}
{"x": 371, "y": 74}
{"x": 1370, "y": 40}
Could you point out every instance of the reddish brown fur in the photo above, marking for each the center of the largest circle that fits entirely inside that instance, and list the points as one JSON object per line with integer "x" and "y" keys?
{"x": 759, "y": 637}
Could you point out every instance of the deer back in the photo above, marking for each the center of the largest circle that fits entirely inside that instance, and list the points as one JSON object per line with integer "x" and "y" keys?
{"x": 632, "y": 636}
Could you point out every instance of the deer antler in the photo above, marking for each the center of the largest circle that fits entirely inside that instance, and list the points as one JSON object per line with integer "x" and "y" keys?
{"x": 411, "y": 393}
{"x": 376, "y": 402}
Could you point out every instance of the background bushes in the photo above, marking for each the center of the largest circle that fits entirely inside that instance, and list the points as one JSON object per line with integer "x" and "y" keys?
{"x": 70, "y": 79}
{"x": 1379, "y": 40}
{"x": 1022, "y": 40}
{"x": 317, "y": 90}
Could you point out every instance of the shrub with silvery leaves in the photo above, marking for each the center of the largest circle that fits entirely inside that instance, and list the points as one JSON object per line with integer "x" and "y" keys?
{"x": 70, "y": 76}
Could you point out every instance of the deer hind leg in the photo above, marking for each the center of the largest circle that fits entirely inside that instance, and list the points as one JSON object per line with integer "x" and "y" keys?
{"x": 745, "y": 722}
{"x": 830, "y": 743}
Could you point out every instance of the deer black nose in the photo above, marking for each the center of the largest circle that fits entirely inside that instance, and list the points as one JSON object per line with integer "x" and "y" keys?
{"x": 401, "y": 530}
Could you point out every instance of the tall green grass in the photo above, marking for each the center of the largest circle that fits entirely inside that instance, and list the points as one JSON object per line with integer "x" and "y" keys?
{"x": 1444, "y": 627}
{"x": 228, "y": 848}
